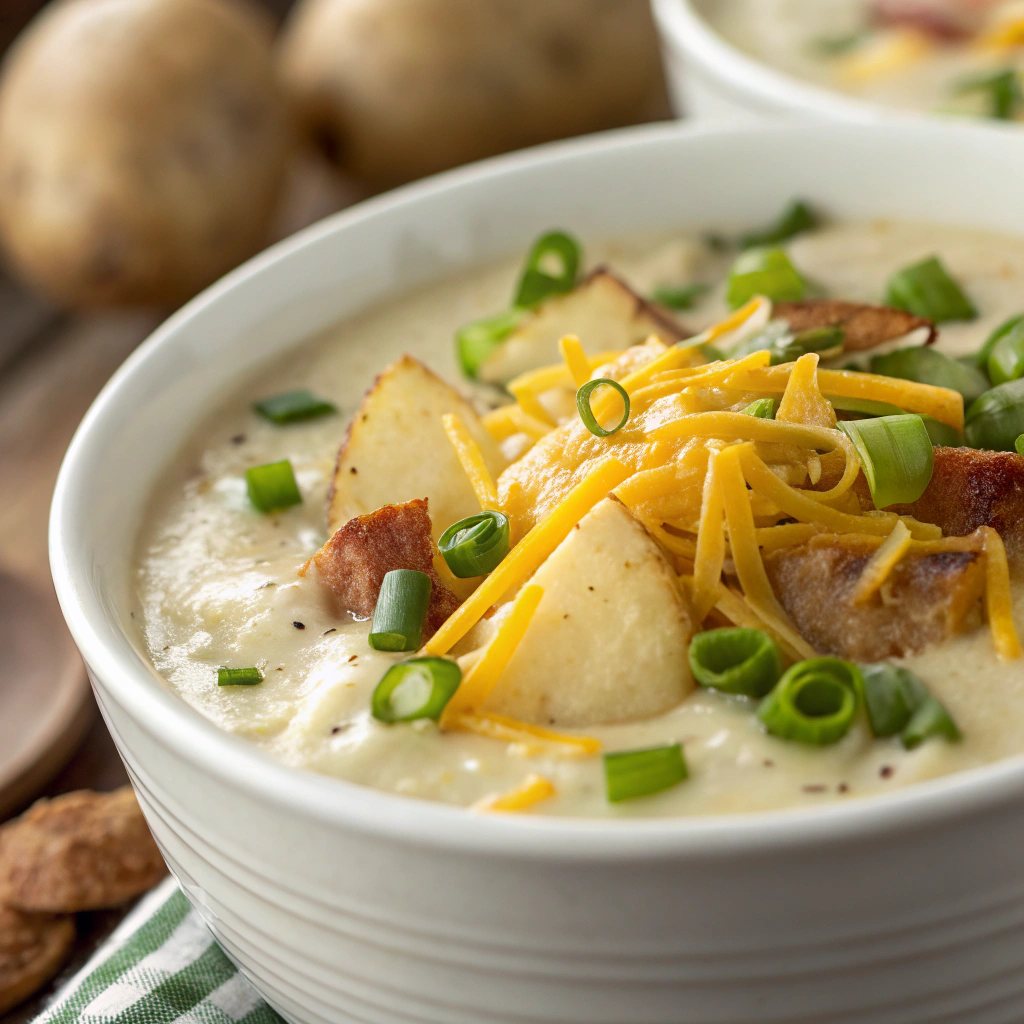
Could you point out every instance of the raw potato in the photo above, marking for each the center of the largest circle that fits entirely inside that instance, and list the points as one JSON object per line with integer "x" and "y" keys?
{"x": 603, "y": 311}
{"x": 396, "y": 89}
{"x": 396, "y": 450}
{"x": 608, "y": 642}
{"x": 142, "y": 147}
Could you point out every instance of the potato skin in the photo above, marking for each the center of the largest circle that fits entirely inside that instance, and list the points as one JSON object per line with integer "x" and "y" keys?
{"x": 143, "y": 146}
{"x": 397, "y": 89}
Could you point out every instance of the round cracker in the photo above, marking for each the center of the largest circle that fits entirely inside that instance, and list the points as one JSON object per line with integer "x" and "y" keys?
{"x": 80, "y": 851}
{"x": 33, "y": 948}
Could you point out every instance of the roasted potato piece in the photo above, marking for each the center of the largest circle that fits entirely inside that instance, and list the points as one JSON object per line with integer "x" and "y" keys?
{"x": 972, "y": 488}
{"x": 927, "y": 598}
{"x": 354, "y": 562}
{"x": 396, "y": 450}
{"x": 396, "y": 89}
{"x": 608, "y": 642}
{"x": 142, "y": 147}
{"x": 863, "y": 326}
{"x": 603, "y": 311}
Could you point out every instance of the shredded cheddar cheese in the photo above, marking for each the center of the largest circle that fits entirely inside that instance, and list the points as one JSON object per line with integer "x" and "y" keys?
{"x": 481, "y": 679}
{"x": 709, "y": 551}
{"x": 510, "y": 419}
{"x": 531, "y": 739}
{"x": 882, "y": 563}
{"x": 738, "y": 611}
{"x": 534, "y": 789}
{"x": 998, "y": 601}
{"x": 575, "y": 359}
{"x": 472, "y": 460}
{"x": 802, "y": 401}
{"x": 529, "y": 553}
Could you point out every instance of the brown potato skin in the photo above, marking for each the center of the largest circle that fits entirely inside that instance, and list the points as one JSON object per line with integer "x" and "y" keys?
{"x": 143, "y": 146}
{"x": 398, "y": 89}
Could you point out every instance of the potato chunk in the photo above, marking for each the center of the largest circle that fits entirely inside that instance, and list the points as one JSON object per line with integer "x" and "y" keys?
{"x": 608, "y": 642}
{"x": 604, "y": 312}
{"x": 396, "y": 450}
{"x": 926, "y": 599}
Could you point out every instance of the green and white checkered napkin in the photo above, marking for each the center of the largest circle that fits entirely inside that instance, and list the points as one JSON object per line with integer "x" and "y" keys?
{"x": 160, "y": 966}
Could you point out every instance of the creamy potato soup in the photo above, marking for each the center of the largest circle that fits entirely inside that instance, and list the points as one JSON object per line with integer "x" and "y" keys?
{"x": 634, "y": 624}
{"x": 944, "y": 56}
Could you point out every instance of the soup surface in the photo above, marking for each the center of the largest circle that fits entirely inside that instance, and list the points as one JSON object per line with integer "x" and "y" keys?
{"x": 218, "y": 582}
{"x": 949, "y": 56}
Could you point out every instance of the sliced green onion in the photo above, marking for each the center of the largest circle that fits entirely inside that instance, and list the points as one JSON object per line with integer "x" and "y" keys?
{"x": 776, "y": 334}
{"x": 891, "y": 695}
{"x": 814, "y": 702}
{"x": 739, "y": 661}
{"x": 930, "y": 719}
{"x": 992, "y": 340}
{"x": 1006, "y": 359}
{"x": 417, "y": 688}
{"x": 796, "y": 218}
{"x": 895, "y": 454}
{"x": 926, "y": 289}
{"x": 476, "y": 545}
{"x": 712, "y": 353}
{"x": 826, "y": 341}
{"x": 682, "y": 296}
{"x": 1001, "y": 88}
{"x": 764, "y": 272}
{"x": 942, "y": 433}
{"x": 476, "y": 342}
{"x": 996, "y": 420}
{"x": 272, "y": 486}
{"x": 924, "y": 364}
{"x": 537, "y": 282}
{"x": 632, "y": 773}
{"x": 864, "y": 406}
{"x": 1019, "y": 445}
{"x": 400, "y": 611}
{"x": 761, "y": 408}
{"x": 239, "y": 676}
{"x": 583, "y": 397}
{"x": 292, "y": 406}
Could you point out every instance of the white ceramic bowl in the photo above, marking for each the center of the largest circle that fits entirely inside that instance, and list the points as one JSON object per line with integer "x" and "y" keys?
{"x": 345, "y": 904}
{"x": 710, "y": 79}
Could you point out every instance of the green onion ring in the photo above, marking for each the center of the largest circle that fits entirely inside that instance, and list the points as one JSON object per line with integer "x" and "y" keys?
{"x": 535, "y": 283}
{"x": 476, "y": 545}
{"x": 587, "y": 413}
{"x": 814, "y": 702}
{"x": 414, "y": 689}
{"x": 996, "y": 420}
{"x": 891, "y": 695}
{"x": 761, "y": 409}
{"x": 1019, "y": 445}
{"x": 896, "y": 455}
{"x": 930, "y": 719}
{"x": 736, "y": 660}
{"x": 272, "y": 487}
{"x": 926, "y": 289}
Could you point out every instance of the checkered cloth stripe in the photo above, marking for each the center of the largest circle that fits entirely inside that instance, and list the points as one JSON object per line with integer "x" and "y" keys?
{"x": 161, "y": 966}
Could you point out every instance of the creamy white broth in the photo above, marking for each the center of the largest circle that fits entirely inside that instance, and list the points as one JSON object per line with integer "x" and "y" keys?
{"x": 217, "y": 581}
{"x": 784, "y": 34}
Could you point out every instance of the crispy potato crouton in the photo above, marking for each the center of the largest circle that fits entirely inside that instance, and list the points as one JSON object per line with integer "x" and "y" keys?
{"x": 355, "y": 560}
{"x": 864, "y": 326}
{"x": 927, "y": 597}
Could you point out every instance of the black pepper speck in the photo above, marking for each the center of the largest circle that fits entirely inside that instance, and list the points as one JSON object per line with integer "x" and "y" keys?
{"x": 299, "y": 625}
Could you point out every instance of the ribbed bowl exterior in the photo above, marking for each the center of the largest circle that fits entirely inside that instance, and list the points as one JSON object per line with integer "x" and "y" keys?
{"x": 332, "y": 926}
{"x": 346, "y": 905}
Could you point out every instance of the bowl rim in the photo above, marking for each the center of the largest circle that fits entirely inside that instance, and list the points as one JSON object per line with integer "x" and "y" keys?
{"x": 687, "y": 30}
{"x": 182, "y": 729}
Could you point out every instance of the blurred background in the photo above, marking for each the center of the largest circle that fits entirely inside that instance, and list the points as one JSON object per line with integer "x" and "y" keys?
{"x": 147, "y": 147}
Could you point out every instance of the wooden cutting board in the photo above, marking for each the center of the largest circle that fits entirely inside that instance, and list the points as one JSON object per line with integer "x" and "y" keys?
{"x": 45, "y": 705}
